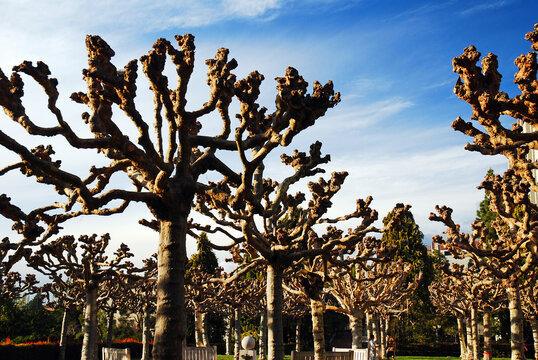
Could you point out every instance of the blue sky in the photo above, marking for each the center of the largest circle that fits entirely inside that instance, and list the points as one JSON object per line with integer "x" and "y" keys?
{"x": 391, "y": 60}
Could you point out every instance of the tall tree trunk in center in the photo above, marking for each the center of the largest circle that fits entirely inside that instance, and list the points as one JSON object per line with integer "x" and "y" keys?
{"x": 298, "y": 335}
{"x": 355, "y": 325}
{"x": 172, "y": 258}
{"x": 369, "y": 325}
{"x": 275, "y": 336}
{"x": 516, "y": 322}
{"x": 89, "y": 343}
{"x": 469, "y": 328}
{"x": 487, "y": 333}
{"x": 109, "y": 329}
{"x": 263, "y": 336}
{"x": 383, "y": 337}
{"x": 318, "y": 331}
{"x": 198, "y": 328}
{"x": 63, "y": 336}
{"x": 146, "y": 333}
{"x": 237, "y": 333}
{"x": 377, "y": 334}
{"x": 205, "y": 335}
{"x": 229, "y": 347}
{"x": 461, "y": 334}
{"x": 474, "y": 331}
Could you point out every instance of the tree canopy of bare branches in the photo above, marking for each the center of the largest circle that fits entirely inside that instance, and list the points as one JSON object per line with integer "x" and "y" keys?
{"x": 165, "y": 164}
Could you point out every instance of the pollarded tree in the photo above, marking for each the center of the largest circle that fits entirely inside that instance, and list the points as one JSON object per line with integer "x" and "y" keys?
{"x": 141, "y": 298}
{"x": 484, "y": 213}
{"x": 374, "y": 288}
{"x": 276, "y": 233}
{"x": 476, "y": 290}
{"x": 296, "y": 307}
{"x": 64, "y": 295}
{"x": 63, "y": 260}
{"x": 237, "y": 293}
{"x": 200, "y": 295}
{"x": 516, "y": 246}
{"x": 449, "y": 302}
{"x": 164, "y": 166}
{"x": 31, "y": 233}
{"x": 201, "y": 267}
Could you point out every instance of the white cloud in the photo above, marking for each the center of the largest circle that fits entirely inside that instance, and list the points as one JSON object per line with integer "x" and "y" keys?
{"x": 362, "y": 115}
{"x": 420, "y": 177}
{"x": 488, "y": 5}
{"x": 134, "y": 15}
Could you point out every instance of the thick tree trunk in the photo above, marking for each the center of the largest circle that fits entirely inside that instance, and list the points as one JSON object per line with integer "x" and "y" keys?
{"x": 172, "y": 258}
{"x": 534, "y": 325}
{"x": 205, "y": 335}
{"x": 146, "y": 334}
{"x": 383, "y": 338}
{"x": 462, "y": 332}
{"x": 318, "y": 332}
{"x": 298, "y": 335}
{"x": 469, "y": 328}
{"x": 263, "y": 337}
{"x": 377, "y": 333}
{"x": 89, "y": 343}
{"x": 355, "y": 325}
{"x": 237, "y": 333}
{"x": 474, "y": 331}
{"x": 198, "y": 328}
{"x": 109, "y": 329}
{"x": 516, "y": 323}
{"x": 63, "y": 337}
{"x": 487, "y": 333}
{"x": 275, "y": 336}
{"x": 229, "y": 343}
{"x": 369, "y": 325}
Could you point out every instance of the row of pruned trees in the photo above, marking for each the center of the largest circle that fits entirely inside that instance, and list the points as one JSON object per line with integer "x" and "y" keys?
{"x": 267, "y": 225}
{"x": 503, "y": 251}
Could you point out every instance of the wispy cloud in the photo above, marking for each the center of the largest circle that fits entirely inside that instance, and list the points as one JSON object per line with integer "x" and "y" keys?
{"x": 423, "y": 10}
{"x": 134, "y": 16}
{"x": 362, "y": 115}
{"x": 487, "y": 5}
{"x": 440, "y": 84}
{"x": 422, "y": 178}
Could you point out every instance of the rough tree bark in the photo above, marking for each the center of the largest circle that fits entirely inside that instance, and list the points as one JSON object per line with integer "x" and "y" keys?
{"x": 89, "y": 343}
{"x": 298, "y": 335}
{"x": 487, "y": 333}
{"x": 205, "y": 335}
{"x": 198, "y": 328}
{"x": 462, "y": 337}
{"x": 474, "y": 331}
{"x": 383, "y": 338}
{"x": 469, "y": 328}
{"x": 172, "y": 259}
{"x": 263, "y": 336}
{"x": 275, "y": 295}
{"x": 63, "y": 336}
{"x": 237, "y": 333}
{"x": 516, "y": 322}
{"x": 318, "y": 331}
{"x": 146, "y": 335}
{"x": 355, "y": 325}
{"x": 228, "y": 336}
